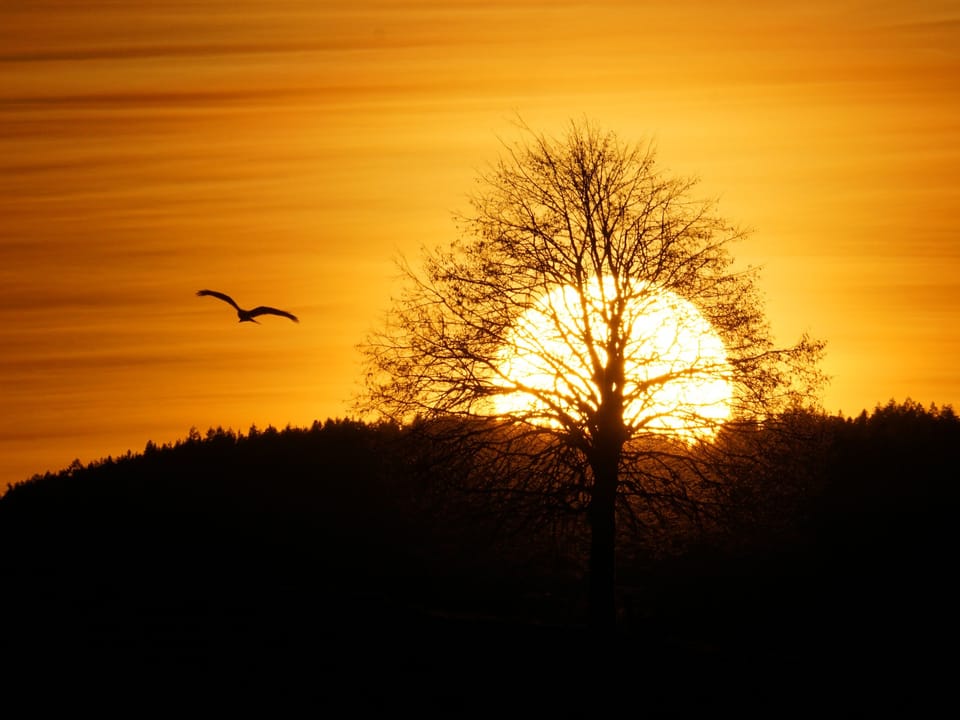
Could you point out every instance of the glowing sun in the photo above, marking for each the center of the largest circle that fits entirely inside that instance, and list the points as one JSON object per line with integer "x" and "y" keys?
{"x": 676, "y": 374}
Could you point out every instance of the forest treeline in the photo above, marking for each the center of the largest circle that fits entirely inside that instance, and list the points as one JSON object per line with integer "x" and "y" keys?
{"x": 846, "y": 517}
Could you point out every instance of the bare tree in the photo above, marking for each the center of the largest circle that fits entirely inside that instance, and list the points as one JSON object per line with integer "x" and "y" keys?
{"x": 590, "y": 327}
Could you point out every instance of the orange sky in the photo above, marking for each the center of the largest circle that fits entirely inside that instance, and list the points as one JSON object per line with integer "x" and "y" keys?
{"x": 284, "y": 151}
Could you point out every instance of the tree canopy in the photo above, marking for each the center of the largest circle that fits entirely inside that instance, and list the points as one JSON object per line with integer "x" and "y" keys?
{"x": 596, "y": 219}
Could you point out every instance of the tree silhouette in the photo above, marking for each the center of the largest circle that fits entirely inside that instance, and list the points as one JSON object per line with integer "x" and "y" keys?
{"x": 587, "y": 343}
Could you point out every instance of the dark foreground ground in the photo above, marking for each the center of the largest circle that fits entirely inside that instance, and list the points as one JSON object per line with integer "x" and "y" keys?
{"x": 196, "y": 628}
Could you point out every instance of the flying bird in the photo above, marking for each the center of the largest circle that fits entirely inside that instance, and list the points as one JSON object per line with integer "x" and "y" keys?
{"x": 248, "y": 315}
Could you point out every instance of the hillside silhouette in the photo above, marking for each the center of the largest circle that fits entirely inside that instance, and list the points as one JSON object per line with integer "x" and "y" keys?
{"x": 345, "y": 548}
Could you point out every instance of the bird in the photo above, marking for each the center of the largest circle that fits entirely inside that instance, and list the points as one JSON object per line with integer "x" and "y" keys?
{"x": 248, "y": 315}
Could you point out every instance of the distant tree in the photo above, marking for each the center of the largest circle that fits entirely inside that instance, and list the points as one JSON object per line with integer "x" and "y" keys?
{"x": 890, "y": 474}
{"x": 575, "y": 325}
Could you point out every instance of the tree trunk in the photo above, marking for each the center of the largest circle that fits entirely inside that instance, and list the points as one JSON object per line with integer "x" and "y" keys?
{"x": 605, "y": 464}
{"x": 603, "y": 611}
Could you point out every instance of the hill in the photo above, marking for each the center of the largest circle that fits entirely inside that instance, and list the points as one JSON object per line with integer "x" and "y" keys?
{"x": 337, "y": 551}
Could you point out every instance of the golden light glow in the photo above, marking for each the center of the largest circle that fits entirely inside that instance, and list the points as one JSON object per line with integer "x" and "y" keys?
{"x": 676, "y": 374}
{"x": 290, "y": 149}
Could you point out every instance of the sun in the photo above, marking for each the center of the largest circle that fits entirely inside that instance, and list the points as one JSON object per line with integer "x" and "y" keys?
{"x": 677, "y": 378}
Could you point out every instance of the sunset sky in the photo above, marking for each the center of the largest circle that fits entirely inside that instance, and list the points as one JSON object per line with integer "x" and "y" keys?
{"x": 285, "y": 151}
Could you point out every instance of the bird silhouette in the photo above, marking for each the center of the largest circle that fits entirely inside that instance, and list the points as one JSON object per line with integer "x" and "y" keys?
{"x": 248, "y": 315}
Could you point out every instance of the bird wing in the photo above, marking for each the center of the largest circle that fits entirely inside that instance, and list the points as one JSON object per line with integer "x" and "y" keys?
{"x": 214, "y": 293}
{"x": 264, "y": 310}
